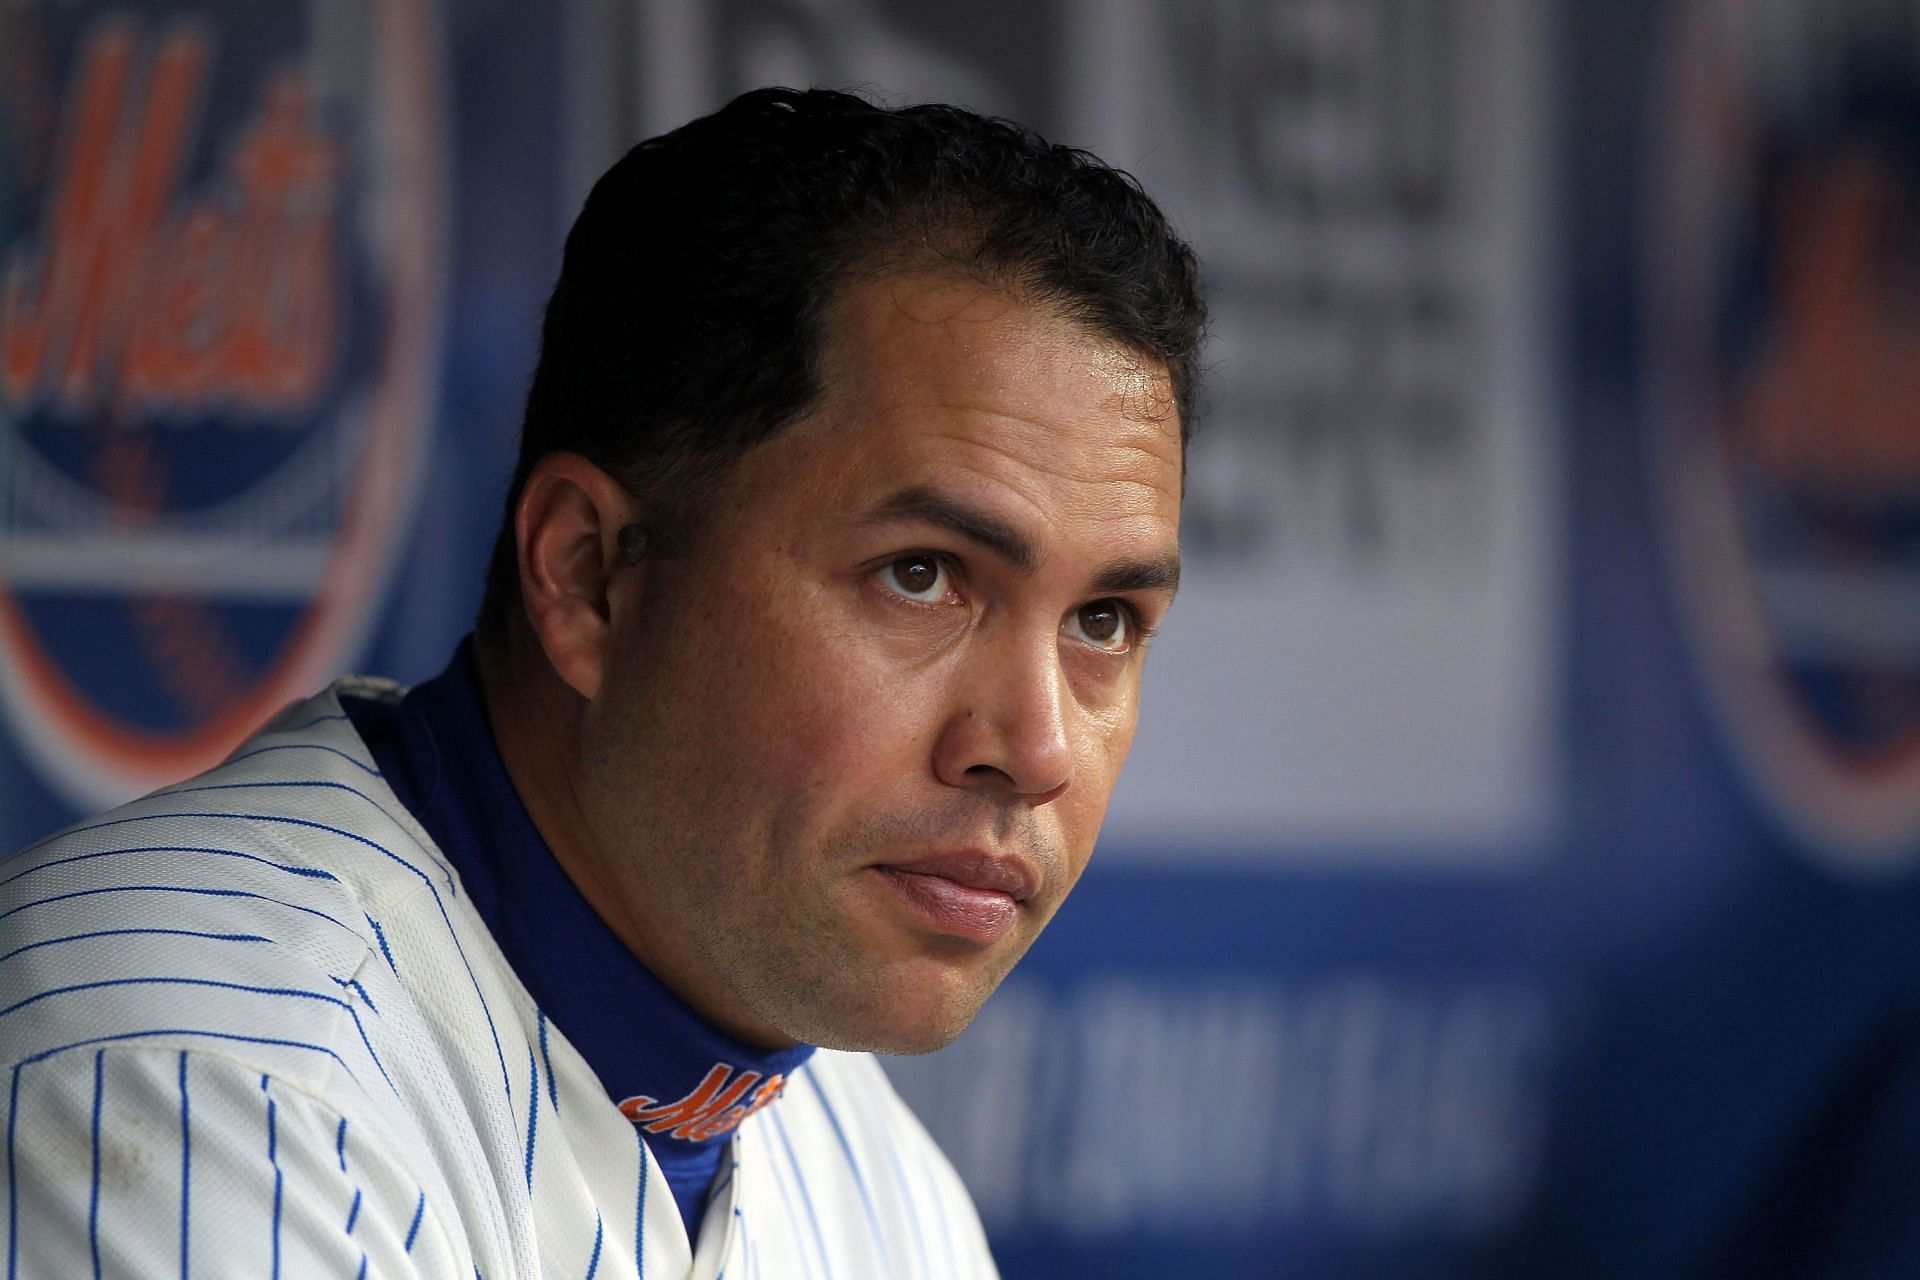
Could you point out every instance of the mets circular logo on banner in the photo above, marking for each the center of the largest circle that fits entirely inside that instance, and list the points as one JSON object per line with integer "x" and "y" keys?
{"x": 221, "y": 244}
{"x": 1783, "y": 334}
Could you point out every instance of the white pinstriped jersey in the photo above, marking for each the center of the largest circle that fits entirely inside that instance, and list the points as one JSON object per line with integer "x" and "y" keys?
{"x": 250, "y": 1027}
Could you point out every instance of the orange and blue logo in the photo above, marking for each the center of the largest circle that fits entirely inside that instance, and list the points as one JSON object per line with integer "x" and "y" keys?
{"x": 716, "y": 1106}
{"x": 221, "y": 246}
{"x": 1785, "y": 346}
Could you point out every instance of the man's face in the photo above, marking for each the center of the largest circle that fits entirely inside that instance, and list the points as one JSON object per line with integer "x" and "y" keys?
{"x": 854, "y": 742}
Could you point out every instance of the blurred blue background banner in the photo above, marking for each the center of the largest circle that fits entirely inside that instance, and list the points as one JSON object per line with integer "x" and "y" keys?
{"x": 1516, "y": 873}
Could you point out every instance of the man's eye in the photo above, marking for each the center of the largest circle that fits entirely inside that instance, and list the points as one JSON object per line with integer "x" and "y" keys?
{"x": 1104, "y": 624}
{"x": 919, "y": 577}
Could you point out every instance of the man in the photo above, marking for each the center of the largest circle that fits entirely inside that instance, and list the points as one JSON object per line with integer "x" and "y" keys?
{"x": 847, "y": 499}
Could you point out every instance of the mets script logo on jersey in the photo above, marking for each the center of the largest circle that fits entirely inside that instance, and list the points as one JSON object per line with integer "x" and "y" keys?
{"x": 1787, "y": 347}
{"x": 220, "y": 297}
{"x": 716, "y": 1105}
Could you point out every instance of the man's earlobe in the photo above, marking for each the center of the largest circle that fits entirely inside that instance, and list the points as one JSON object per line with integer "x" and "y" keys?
{"x": 574, "y": 529}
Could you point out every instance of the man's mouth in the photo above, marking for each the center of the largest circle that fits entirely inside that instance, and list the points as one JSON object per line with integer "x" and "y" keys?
{"x": 969, "y": 894}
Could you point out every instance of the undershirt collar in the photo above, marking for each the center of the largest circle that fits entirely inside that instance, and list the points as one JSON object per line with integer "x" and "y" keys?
{"x": 685, "y": 1083}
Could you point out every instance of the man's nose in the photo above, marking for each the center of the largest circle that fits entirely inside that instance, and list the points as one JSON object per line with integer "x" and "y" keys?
{"x": 1009, "y": 730}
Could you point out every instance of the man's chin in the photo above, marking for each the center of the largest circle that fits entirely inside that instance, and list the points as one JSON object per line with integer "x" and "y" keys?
{"x": 905, "y": 1014}
{"x": 900, "y": 1041}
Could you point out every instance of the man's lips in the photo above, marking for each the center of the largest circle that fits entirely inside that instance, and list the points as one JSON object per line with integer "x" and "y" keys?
{"x": 975, "y": 869}
{"x": 972, "y": 895}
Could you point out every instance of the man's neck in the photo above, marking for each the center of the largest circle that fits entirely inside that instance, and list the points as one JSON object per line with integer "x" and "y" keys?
{"x": 536, "y": 721}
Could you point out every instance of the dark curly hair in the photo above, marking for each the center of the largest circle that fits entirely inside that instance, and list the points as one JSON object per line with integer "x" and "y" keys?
{"x": 686, "y": 327}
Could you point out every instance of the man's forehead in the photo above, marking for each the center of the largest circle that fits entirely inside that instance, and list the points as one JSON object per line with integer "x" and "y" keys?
{"x": 940, "y": 337}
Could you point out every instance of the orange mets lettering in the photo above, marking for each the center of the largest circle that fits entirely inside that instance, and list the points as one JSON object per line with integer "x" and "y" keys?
{"x": 134, "y": 300}
{"x": 711, "y": 1109}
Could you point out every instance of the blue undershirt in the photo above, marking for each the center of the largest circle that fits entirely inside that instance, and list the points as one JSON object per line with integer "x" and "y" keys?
{"x": 683, "y": 1081}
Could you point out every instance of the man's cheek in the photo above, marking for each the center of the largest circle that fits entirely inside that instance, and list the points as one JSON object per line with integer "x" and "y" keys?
{"x": 841, "y": 728}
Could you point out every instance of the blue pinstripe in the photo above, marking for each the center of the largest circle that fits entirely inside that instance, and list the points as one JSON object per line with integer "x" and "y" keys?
{"x": 751, "y": 1256}
{"x": 553, "y": 1091}
{"x": 361, "y": 1028}
{"x": 115, "y": 933}
{"x": 793, "y": 1219}
{"x": 311, "y": 873}
{"x": 599, "y": 1234}
{"x": 340, "y": 1141}
{"x": 859, "y": 1178}
{"x": 908, "y": 1198}
{"x": 353, "y": 1213}
{"x": 170, "y": 888}
{"x": 186, "y": 1167}
{"x": 13, "y": 1180}
{"x": 740, "y": 1231}
{"x": 639, "y": 1202}
{"x": 799, "y": 1180}
{"x": 353, "y": 984}
{"x": 419, "y": 1212}
{"x": 719, "y": 1188}
{"x": 533, "y": 1110}
{"x": 381, "y": 935}
{"x": 279, "y": 1178}
{"x": 933, "y": 1200}
{"x": 93, "y": 1202}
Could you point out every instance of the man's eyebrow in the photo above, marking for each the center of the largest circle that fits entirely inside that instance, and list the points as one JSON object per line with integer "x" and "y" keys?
{"x": 921, "y": 503}
{"x": 1162, "y": 573}
{"x": 932, "y": 507}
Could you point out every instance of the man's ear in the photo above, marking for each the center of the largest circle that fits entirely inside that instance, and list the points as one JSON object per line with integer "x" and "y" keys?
{"x": 568, "y": 526}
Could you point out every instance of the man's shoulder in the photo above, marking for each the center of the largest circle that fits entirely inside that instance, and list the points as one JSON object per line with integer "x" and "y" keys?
{"x": 278, "y": 943}
{"x": 302, "y": 797}
{"x": 234, "y": 912}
